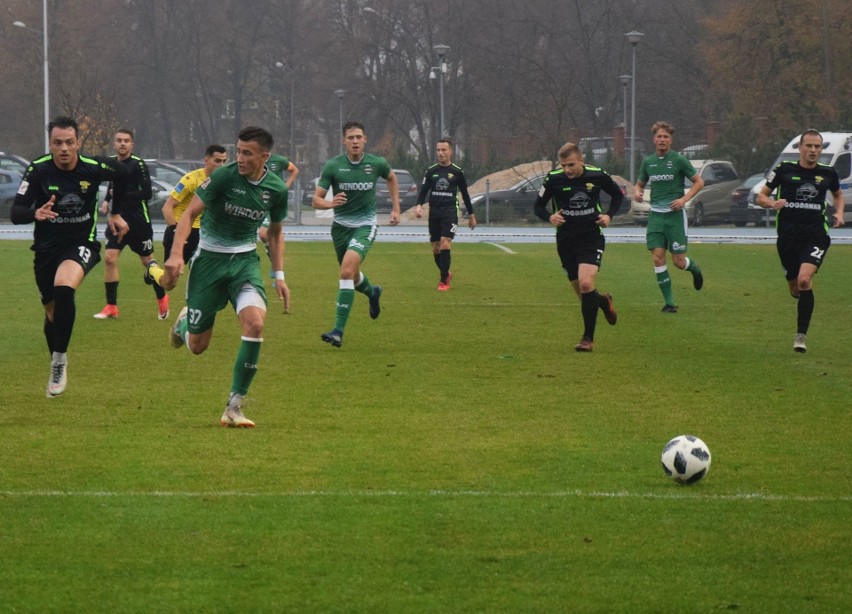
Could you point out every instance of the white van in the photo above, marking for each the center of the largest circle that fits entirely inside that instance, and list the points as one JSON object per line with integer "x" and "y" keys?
{"x": 836, "y": 152}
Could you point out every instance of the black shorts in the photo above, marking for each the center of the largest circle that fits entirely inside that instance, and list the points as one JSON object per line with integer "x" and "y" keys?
{"x": 573, "y": 253}
{"x": 189, "y": 248}
{"x": 139, "y": 237}
{"x": 86, "y": 254}
{"x": 443, "y": 224}
{"x": 795, "y": 251}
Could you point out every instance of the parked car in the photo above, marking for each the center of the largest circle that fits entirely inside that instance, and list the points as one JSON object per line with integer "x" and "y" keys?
{"x": 11, "y": 162}
{"x": 711, "y": 204}
{"x": 408, "y": 188}
{"x": 9, "y": 182}
{"x": 693, "y": 152}
{"x": 185, "y": 165}
{"x": 597, "y": 148}
{"x": 743, "y": 209}
{"x": 165, "y": 172}
{"x": 517, "y": 200}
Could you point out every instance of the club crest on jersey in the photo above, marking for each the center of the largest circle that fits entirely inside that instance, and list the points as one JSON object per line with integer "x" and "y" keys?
{"x": 590, "y": 186}
{"x": 368, "y": 169}
{"x": 450, "y": 175}
{"x": 84, "y": 186}
{"x": 264, "y": 196}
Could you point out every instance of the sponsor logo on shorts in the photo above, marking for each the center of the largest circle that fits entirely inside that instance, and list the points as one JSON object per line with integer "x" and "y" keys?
{"x": 677, "y": 245}
{"x": 355, "y": 244}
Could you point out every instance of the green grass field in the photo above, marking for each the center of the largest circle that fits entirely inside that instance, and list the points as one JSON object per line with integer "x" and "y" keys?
{"x": 456, "y": 455}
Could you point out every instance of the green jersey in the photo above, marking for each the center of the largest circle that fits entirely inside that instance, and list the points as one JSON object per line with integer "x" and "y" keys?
{"x": 235, "y": 208}
{"x": 358, "y": 181}
{"x": 665, "y": 177}
{"x": 278, "y": 165}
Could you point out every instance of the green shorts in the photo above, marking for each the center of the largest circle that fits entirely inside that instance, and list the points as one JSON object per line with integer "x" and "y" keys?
{"x": 214, "y": 281}
{"x": 667, "y": 230}
{"x": 358, "y": 240}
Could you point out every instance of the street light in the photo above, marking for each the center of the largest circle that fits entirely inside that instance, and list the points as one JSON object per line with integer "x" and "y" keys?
{"x": 441, "y": 50}
{"x": 633, "y": 38}
{"x": 625, "y": 80}
{"x": 43, "y": 32}
{"x": 292, "y": 107}
{"x": 339, "y": 94}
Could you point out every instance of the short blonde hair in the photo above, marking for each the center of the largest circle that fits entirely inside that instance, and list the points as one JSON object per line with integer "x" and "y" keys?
{"x": 567, "y": 150}
{"x": 662, "y": 126}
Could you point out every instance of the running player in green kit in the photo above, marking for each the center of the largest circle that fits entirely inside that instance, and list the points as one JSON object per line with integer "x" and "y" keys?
{"x": 352, "y": 177}
{"x": 226, "y": 267}
{"x": 664, "y": 172}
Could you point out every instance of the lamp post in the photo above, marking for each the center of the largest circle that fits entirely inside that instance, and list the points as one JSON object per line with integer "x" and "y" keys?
{"x": 633, "y": 38}
{"x": 43, "y": 32}
{"x": 625, "y": 80}
{"x": 441, "y": 50}
{"x": 339, "y": 94}
{"x": 292, "y": 107}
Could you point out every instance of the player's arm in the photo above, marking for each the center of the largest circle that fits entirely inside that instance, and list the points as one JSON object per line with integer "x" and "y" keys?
{"x": 115, "y": 171}
{"x": 145, "y": 189}
{"x": 764, "y": 198}
{"x": 25, "y": 208}
{"x": 616, "y": 199}
{"x": 468, "y": 204}
{"x": 294, "y": 172}
{"x": 838, "y": 208}
{"x": 276, "y": 257}
{"x": 174, "y": 264}
{"x": 393, "y": 190}
{"x": 695, "y": 188}
{"x": 425, "y": 185}
{"x": 541, "y": 207}
{"x": 169, "y": 211}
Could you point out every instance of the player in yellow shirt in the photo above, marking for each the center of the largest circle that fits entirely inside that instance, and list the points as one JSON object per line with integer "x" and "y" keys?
{"x": 182, "y": 194}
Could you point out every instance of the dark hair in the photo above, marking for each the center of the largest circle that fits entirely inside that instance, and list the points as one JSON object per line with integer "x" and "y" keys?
{"x": 447, "y": 141}
{"x": 662, "y": 126}
{"x": 215, "y": 148}
{"x": 810, "y": 131}
{"x": 63, "y": 121}
{"x": 261, "y": 136}
{"x": 125, "y": 131}
{"x": 352, "y": 125}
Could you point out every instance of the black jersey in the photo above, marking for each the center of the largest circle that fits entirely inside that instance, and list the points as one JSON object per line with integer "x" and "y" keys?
{"x": 444, "y": 184}
{"x": 578, "y": 200}
{"x": 76, "y": 203}
{"x": 138, "y": 188}
{"x": 805, "y": 190}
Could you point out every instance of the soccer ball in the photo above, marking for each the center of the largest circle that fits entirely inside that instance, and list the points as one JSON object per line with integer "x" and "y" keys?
{"x": 686, "y": 459}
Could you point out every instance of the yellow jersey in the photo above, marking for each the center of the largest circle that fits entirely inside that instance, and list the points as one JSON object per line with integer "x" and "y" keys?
{"x": 185, "y": 190}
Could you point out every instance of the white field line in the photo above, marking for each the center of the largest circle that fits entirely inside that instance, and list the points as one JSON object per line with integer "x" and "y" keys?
{"x": 503, "y": 247}
{"x": 684, "y": 494}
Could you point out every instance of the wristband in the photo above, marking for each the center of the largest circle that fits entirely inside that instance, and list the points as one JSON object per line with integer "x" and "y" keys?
{"x": 279, "y": 275}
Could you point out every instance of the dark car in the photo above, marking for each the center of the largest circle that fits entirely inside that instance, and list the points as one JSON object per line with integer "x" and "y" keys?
{"x": 742, "y": 210}
{"x": 408, "y": 189}
{"x": 11, "y": 162}
{"x": 516, "y": 201}
{"x": 10, "y": 180}
{"x": 165, "y": 172}
{"x": 185, "y": 165}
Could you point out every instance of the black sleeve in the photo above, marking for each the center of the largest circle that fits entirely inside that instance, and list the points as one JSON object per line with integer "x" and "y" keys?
{"x": 23, "y": 207}
{"x": 544, "y": 197}
{"x": 424, "y": 188}
{"x": 464, "y": 193}
{"x": 115, "y": 171}
{"x": 610, "y": 187}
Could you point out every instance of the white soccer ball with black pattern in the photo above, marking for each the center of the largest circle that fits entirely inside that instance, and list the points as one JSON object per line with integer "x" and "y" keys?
{"x": 686, "y": 459}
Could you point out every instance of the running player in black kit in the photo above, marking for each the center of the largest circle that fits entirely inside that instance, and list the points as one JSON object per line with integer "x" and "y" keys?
{"x": 797, "y": 191}
{"x": 444, "y": 182}
{"x": 59, "y": 192}
{"x": 574, "y": 193}
{"x": 140, "y": 235}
